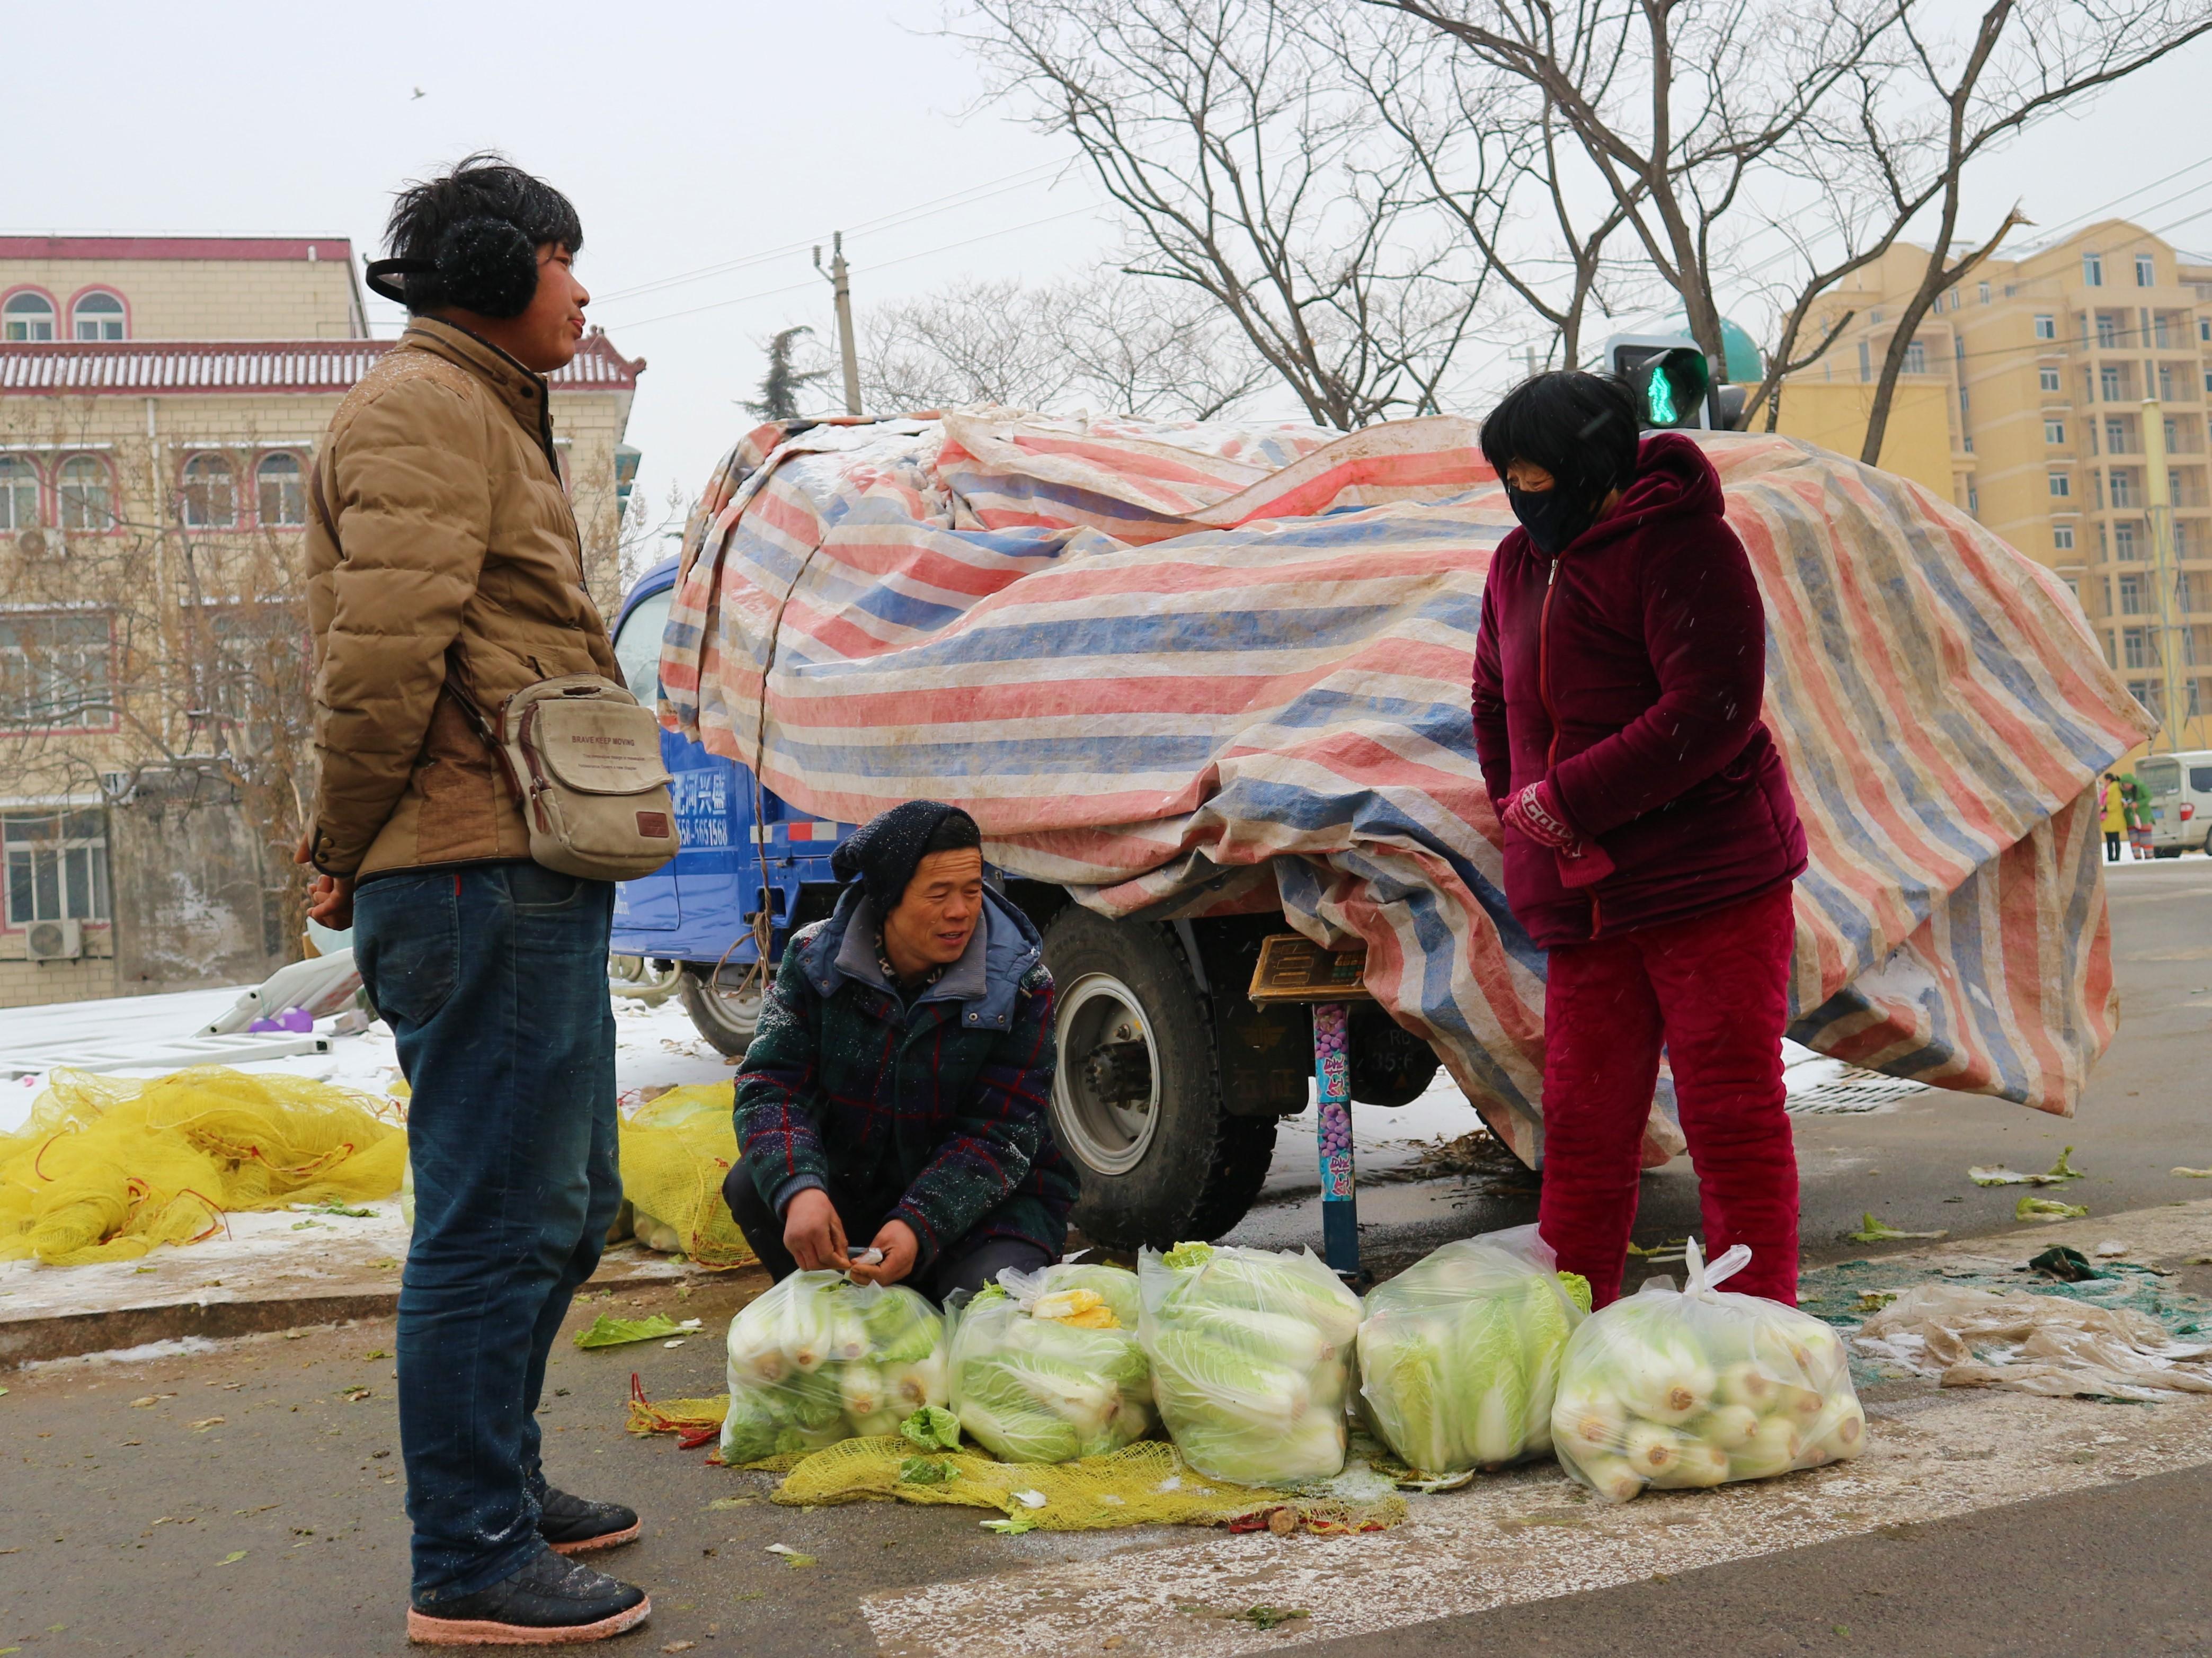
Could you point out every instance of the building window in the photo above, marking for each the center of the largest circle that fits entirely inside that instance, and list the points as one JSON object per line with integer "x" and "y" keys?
{"x": 1984, "y": 294}
{"x": 2130, "y": 595}
{"x": 2054, "y": 431}
{"x": 2165, "y": 383}
{"x": 2158, "y": 333}
{"x": 211, "y": 502}
{"x": 2146, "y": 271}
{"x": 2116, "y": 435}
{"x": 19, "y": 494}
{"x": 2093, "y": 270}
{"x": 88, "y": 502}
{"x": 2124, "y": 544}
{"x": 1974, "y": 497}
{"x": 2047, "y": 327}
{"x": 2204, "y": 329}
{"x": 1916, "y": 358}
{"x": 2123, "y": 488}
{"x": 1866, "y": 361}
{"x": 2108, "y": 331}
{"x": 96, "y": 316}
{"x": 27, "y": 316}
{"x": 2134, "y": 648}
{"x": 2060, "y": 485}
{"x": 2062, "y": 538}
{"x": 2046, "y": 380}
{"x": 54, "y": 673}
{"x": 283, "y": 497}
{"x": 1963, "y": 402}
{"x": 2108, "y": 383}
{"x": 2181, "y": 604}
{"x": 57, "y": 866}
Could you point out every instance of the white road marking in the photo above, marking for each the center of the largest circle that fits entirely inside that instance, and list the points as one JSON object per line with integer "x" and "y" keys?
{"x": 1526, "y": 1536}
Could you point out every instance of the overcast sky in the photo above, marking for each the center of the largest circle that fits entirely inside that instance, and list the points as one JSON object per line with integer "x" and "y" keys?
{"x": 706, "y": 148}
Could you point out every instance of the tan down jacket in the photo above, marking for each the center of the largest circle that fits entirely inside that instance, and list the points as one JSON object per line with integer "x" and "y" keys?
{"x": 456, "y": 557}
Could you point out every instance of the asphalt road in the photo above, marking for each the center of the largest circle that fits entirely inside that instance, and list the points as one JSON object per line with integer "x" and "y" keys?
{"x": 246, "y": 1501}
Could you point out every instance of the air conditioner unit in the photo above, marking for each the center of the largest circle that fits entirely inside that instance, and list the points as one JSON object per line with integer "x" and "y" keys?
{"x": 54, "y": 941}
{"x": 41, "y": 544}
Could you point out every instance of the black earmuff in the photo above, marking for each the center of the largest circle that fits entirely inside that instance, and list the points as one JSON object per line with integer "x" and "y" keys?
{"x": 486, "y": 265}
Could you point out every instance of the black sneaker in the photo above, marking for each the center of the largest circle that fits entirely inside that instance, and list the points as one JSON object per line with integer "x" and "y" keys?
{"x": 551, "y": 1602}
{"x": 573, "y": 1525}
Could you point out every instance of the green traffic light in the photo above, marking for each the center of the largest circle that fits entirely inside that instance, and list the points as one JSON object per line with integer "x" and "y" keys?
{"x": 1659, "y": 398}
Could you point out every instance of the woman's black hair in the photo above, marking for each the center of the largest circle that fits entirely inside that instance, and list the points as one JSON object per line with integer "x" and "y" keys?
{"x": 1579, "y": 427}
{"x": 469, "y": 238}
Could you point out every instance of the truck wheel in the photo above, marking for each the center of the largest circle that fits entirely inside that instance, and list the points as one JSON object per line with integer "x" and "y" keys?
{"x": 1136, "y": 1097}
{"x": 725, "y": 1013}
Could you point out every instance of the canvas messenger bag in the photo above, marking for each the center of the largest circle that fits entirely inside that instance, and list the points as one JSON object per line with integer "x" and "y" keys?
{"x": 584, "y": 756}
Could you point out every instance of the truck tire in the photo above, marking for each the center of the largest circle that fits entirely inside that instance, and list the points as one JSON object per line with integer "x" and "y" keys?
{"x": 1136, "y": 1097}
{"x": 726, "y": 1013}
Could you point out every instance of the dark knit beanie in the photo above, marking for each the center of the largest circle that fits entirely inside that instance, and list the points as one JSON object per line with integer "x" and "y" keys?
{"x": 882, "y": 853}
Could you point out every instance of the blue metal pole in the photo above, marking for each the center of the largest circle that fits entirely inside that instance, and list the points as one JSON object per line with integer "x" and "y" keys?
{"x": 1340, "y": 1204}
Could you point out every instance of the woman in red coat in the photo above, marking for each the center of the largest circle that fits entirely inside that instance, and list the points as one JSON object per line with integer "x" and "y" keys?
{"x": 1650, "y": 836}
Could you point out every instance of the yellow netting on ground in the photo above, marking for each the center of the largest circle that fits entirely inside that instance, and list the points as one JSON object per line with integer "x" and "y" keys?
{"x": 675, "y": 1152}
{"x": 108, "y": 1167}
{"x": 1146, "y": 1484}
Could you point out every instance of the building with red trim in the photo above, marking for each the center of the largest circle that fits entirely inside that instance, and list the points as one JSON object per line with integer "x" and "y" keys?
{"x": 160, "y": 401}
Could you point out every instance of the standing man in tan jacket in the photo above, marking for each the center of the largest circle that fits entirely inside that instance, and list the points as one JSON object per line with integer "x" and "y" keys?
{"x": 445, "y": 575}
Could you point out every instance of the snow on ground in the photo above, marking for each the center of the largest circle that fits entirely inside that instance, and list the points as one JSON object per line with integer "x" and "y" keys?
{"x": 655, "y": 1046}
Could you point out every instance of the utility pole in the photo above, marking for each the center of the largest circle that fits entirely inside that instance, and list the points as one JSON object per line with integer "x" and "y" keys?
{"x": 2159, "y": 489}
{"x": 842, "y": 286}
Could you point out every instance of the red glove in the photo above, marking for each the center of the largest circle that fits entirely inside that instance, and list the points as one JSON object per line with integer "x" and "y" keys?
{"x": 1536, "y": 812}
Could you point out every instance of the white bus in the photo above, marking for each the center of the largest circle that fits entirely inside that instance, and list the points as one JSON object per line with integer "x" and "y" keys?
{"x": 2180, "y": 790}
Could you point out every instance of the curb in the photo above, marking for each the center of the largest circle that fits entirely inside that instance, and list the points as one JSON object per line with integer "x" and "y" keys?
{"x": 71, "y": 1335}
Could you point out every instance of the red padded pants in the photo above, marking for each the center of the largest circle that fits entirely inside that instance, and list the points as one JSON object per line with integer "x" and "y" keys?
{"x": 1713, "y": 990}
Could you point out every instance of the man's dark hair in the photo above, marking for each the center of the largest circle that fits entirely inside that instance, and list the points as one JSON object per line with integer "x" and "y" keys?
{"x": 473, "y": 224}
{"x": 1579, "y": 427}
{"x": 954, "y": 833}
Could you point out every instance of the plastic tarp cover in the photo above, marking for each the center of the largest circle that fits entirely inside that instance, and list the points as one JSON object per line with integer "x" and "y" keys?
{"x": 1190, "y": 669}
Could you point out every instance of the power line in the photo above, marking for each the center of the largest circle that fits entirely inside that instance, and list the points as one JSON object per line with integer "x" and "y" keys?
{"x": 965, "y": 197}
{"x": 881, "y": 264}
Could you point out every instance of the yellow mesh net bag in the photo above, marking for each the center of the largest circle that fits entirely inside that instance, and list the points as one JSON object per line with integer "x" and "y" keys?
{"x": 1146, "y": 1484}
{"x": 108, "y": 1167}
{"x": 675, "y": 1151}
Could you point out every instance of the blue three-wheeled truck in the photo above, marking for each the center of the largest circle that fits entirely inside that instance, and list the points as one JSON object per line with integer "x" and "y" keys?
{"x": 1170, "y": 1079}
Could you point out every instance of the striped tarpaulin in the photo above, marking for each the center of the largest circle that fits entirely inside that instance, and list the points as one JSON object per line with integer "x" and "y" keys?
{"x": 1191, "y": 670}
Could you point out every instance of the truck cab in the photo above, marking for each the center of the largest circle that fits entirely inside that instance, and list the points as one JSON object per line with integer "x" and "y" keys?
{"x": 1169, "y": 1080}
{"x": 2180, "y": 790}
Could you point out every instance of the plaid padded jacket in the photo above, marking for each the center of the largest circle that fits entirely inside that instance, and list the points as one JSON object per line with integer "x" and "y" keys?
{"x": 936, "y": 1112}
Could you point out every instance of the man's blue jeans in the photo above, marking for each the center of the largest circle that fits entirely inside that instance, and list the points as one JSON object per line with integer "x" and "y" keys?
{"x": 494, "y": 979}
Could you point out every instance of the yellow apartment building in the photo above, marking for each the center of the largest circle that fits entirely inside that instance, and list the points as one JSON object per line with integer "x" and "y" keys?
{"x": 160, "y": 402}
{"x": 2059, "y": 396}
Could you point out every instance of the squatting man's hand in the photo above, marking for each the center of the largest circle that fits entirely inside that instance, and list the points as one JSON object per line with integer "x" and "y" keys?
{"x": 813, "y": 1232}
{"x": 899, "y": 1248}
{"x": 330, "y": 897}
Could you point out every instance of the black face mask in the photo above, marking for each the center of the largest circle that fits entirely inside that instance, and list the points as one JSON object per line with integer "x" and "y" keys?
{"x": 1553, "y": 518}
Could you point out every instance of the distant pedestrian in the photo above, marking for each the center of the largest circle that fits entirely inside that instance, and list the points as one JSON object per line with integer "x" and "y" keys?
{"x": 2112, "y": 806}
{"x": 444, "y": 574}
{"x": 2139, "y": 817}
{"x": 1652, "y": 838}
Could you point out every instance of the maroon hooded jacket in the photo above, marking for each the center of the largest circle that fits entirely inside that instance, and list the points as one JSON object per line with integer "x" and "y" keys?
{"x": 1629, "y": 671}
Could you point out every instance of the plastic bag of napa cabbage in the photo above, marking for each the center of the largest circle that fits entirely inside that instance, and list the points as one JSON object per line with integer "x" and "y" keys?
{"x": 1696, "y": 1387}
{"x": 819, "y": 1358}
{"x": 1459, "y": 1354}
{"x": 1252, "y": 1356}
{"x": 1046, "y": 1366}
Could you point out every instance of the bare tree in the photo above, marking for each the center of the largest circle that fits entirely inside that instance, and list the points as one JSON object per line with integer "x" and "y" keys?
{"x": 1673, "y": 104}
{"x": 1111, "y": 342}
{"x": 1490, "y": 152}
{"x": 1251, "y": 173}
